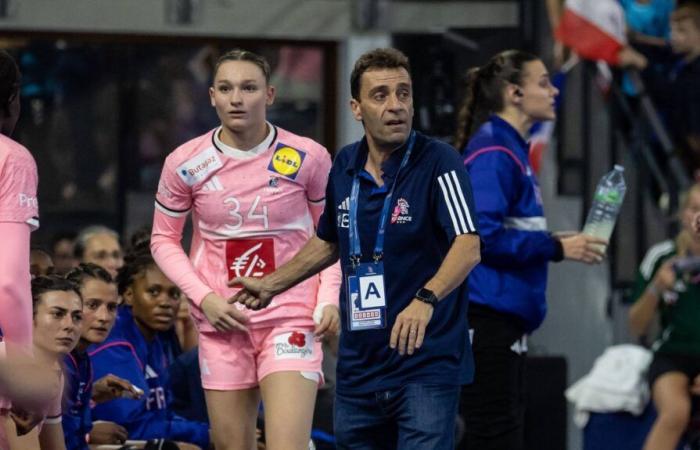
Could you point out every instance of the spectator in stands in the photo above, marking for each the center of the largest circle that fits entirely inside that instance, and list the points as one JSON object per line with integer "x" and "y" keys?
{"x": 100, "y": 245}
{"x": 134, "y": 351}
{"x": 648, "y": 21}
{"x": 675, "y": 296}
{"x": 684, "y": 94}
{"x": 100, "y": 301}
{"x": 63, "y": 251}
{"x": 58, "y": 312}
{"x": 610, "y": 15}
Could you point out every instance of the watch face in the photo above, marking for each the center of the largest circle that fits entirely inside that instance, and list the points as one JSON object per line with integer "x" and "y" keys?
{"x": 426, "y": 295}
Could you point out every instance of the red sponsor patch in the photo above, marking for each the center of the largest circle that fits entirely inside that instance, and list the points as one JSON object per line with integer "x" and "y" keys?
{"x": 250, "y": 257}
{"x": 297, "y": 339}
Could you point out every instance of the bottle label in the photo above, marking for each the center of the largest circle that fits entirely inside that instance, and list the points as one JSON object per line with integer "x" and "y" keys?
{"x": 608, "y": 195}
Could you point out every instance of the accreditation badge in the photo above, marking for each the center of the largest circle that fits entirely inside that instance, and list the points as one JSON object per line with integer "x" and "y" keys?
{"x": 366, "y": 297}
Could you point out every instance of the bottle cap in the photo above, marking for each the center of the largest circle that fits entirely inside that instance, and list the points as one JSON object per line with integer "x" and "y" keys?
{"x": 619, "y": 168}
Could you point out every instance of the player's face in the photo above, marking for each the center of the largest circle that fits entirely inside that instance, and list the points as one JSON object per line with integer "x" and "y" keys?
{"x": 104, "y": 250}
{"x": 40, "y": 263}
{"x": 385, "y": 106}
{"x": 100, "y": 301}
{"x": 57, "y": 322}
{"x": 13, "y": 109}
{"x": 691, "y": 209}
{"x": 63, "y": 257}
{"x": 537, "y": 101}
{"x": 154, "y": 300}
{"x": 241, "y": 95}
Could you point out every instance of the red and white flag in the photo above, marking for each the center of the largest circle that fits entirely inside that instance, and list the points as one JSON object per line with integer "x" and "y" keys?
{"x": 594, "y": 29}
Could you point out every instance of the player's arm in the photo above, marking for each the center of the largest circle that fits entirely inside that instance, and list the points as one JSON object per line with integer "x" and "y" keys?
{"x": 51, "y": 437}
{"x": 15, "y": 292}
{"x": 315, "y": 256}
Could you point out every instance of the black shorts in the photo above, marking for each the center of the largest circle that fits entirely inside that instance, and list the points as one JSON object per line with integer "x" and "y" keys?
{"x": 667, "y": 362}
{"x": 493, "y": 405}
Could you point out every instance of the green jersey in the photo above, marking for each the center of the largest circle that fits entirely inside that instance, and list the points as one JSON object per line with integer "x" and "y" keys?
{"x": 679, "y": 308}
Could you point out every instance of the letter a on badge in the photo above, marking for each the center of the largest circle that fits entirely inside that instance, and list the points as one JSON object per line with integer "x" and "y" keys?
{"x": 372, "y": 291}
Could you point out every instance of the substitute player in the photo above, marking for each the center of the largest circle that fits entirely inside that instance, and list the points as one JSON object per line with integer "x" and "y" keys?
{"x": 256, "y": 192}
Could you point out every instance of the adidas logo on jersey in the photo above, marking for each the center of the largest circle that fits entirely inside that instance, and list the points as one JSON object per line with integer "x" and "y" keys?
{"x": 343, "y": 216}
{"x": 150, "y": 373}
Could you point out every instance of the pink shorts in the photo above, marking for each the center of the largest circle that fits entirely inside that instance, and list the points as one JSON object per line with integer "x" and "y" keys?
{"x": 236, "y": 360}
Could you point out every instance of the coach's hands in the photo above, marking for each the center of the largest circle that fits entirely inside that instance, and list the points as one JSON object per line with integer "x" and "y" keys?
{"x": 223, "y": 314}
{"x": 409, "y": 330}
{"x": 255, "y": 294}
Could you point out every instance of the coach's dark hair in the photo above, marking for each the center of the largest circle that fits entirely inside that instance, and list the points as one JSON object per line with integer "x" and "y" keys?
{"x": 44, "y": 284}
{"x": 238, "y": 54}
{"x": 86, "y": 271}
{"x": 137, "y": 259}
{"x": 379, "y": 58}
{"x": 9, "y": 81}
{"x": 484, "y": 88}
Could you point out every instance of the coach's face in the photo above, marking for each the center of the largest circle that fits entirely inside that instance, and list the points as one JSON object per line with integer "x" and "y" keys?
{"x": 385, "y": 106}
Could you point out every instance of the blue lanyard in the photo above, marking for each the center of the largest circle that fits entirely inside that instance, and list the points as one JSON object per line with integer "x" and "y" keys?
{"x": 354, "y": 235}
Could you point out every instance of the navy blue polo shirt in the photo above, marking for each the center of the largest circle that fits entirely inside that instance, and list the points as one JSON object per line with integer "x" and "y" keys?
{"x": 432, "y": 204}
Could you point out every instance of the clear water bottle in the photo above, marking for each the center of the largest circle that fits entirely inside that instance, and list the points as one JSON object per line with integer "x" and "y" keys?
{"x": 606, "y": 204}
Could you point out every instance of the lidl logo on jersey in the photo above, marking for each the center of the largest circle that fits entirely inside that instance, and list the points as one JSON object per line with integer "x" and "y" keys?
{"x": 198, "y": 168}
{"x": 294, "y": 345}
{"x": 286, "y": 161}
{"x": 343, "y": 215}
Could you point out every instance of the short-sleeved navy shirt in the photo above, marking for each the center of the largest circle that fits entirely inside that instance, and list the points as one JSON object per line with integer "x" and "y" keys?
{"x": 432, "y": 204}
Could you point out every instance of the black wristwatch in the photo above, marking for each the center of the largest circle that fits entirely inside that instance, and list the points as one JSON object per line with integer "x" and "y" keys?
{"x": 427, "y": 296}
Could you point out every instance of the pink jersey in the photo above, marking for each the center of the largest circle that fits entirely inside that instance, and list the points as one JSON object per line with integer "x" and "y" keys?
{"x": 18, "y": 184}
{"x": 19, "y": 214}
{"x": 252, "y": 211}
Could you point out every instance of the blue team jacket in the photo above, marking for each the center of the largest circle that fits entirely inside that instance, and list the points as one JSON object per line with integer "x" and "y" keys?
{"x": 516, "y": 246}
{"x": 77, "y": 392}
{"x": 127, "y": 354}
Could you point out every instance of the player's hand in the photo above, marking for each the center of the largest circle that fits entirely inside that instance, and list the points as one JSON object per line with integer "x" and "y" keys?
{"x": 111, "y": 387}
{"x": 27, "y": 382}
{"x": 665, "y": 277}
{"x": 255, "y": 294}
{"x": 584, "y": 248}
{"x": 409, "y": 330}
{"x": 107, "y": 433}
{"x": 329, "y": 322}
{"x": 222, "y": 314}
